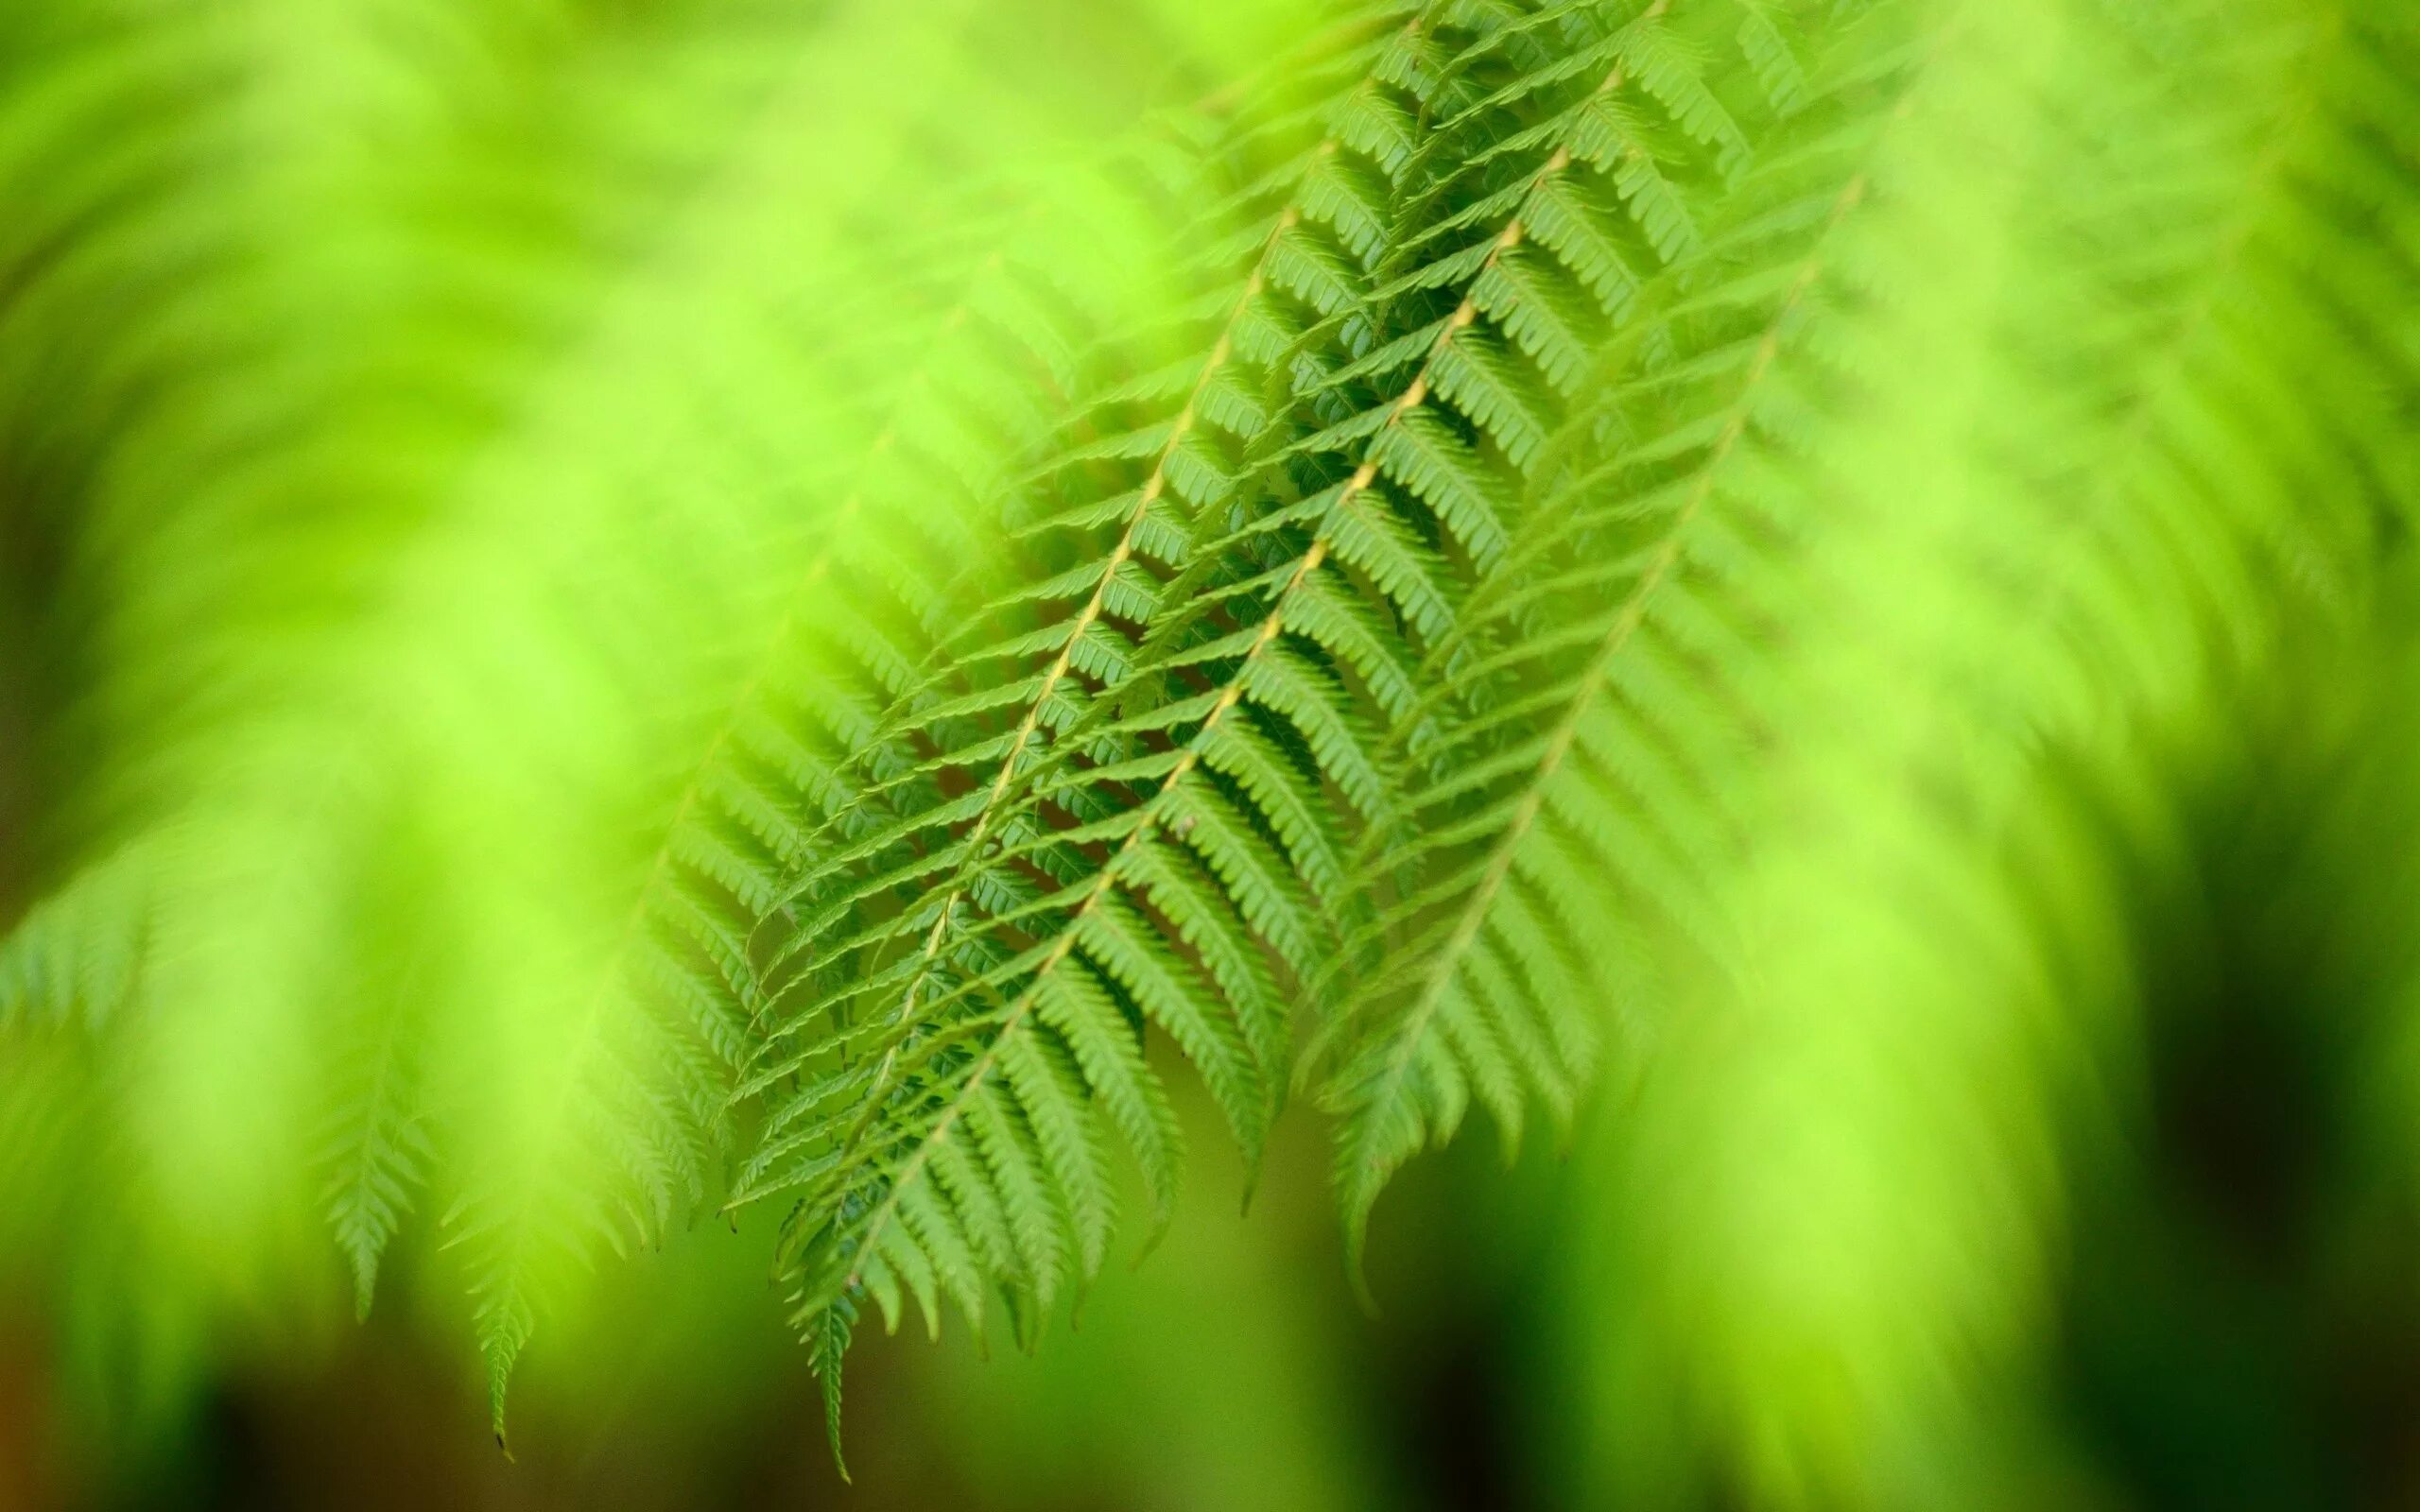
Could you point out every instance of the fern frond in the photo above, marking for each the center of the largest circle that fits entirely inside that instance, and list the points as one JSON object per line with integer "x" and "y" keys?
{"x": 629, "y": 206}
{"x": 1040, "y": 916}
{"x": 77, "y": 955}
{"x": 1185, "y": 764}
{"x": 2046, "y": 562}
{"x": 1564, "y": 770}
{"x": 658, "y": 608}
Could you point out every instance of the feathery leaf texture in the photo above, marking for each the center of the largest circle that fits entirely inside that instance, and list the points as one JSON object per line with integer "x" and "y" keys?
{"x": 841, "y": 668}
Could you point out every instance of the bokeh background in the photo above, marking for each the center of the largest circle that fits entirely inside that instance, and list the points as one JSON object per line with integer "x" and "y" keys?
{"x": 2123, "y": 1216}
{"x": 2234, "y": 1325}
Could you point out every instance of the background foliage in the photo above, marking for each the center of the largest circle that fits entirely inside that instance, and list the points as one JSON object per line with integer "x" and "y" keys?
{"x": 647, "y": 641}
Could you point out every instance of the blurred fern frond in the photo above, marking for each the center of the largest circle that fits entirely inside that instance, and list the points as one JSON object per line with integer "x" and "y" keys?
{"x": 636, "y": 610}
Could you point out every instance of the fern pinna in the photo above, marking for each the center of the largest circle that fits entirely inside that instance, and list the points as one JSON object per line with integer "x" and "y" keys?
{"x": 840, "y": 669}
